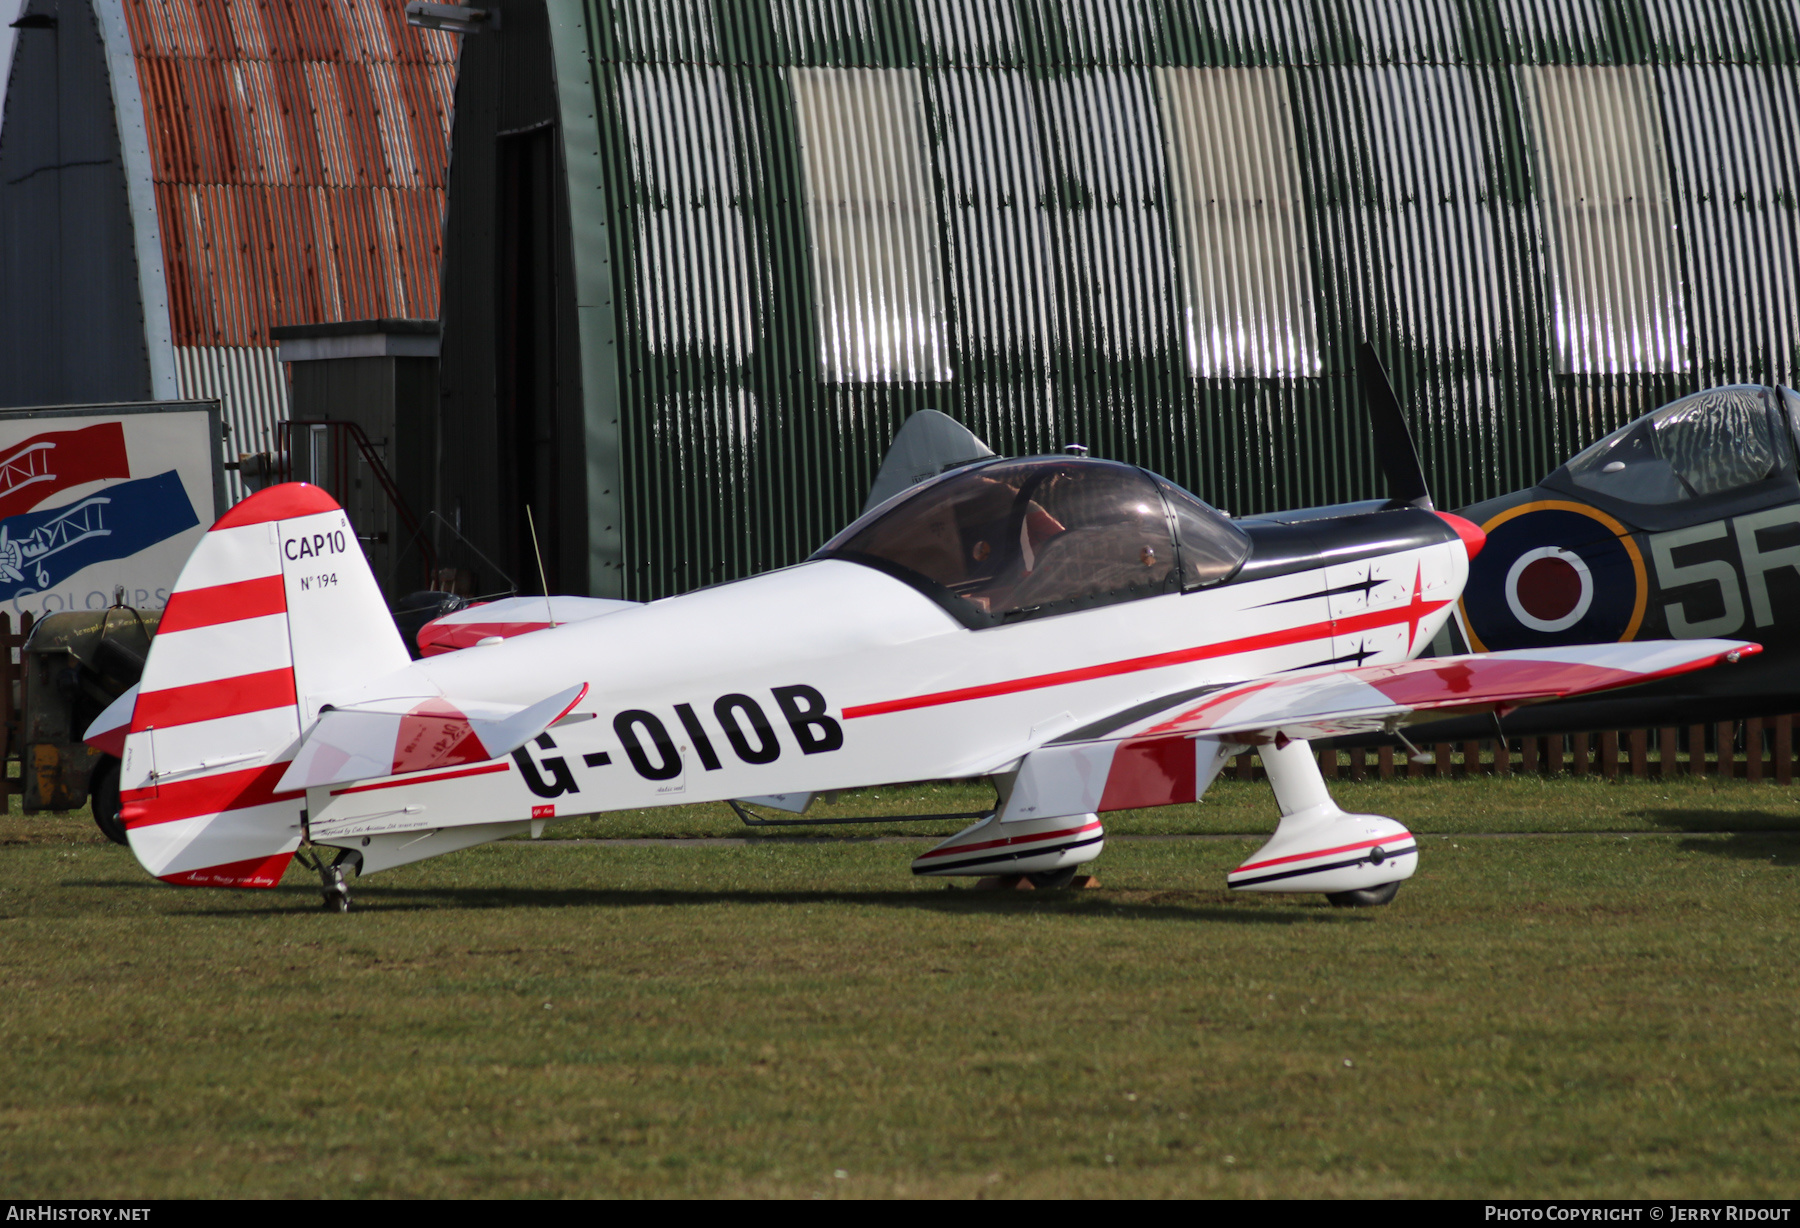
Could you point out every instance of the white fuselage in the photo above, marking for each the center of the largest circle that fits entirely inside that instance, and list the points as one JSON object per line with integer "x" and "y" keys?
{"x": 832, "y": 675}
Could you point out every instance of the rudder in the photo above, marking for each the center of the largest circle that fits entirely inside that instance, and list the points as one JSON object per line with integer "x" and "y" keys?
{"x": 275, "y": 610}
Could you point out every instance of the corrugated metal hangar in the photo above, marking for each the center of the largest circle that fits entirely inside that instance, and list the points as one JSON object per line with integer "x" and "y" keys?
{"x": 733, "y": 245}
{"x": 701, "y": 259}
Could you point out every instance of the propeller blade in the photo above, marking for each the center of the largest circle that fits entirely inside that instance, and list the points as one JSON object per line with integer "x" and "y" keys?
{"x": 1394, "y": 449}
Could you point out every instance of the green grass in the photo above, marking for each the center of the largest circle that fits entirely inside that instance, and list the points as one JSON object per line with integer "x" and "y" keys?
{"x": 1593, "y": 1014}
{"x": 1512, "y": 804}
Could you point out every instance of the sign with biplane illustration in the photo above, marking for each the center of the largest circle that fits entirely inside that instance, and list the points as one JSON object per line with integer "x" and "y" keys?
{"x": 98, "y": 498}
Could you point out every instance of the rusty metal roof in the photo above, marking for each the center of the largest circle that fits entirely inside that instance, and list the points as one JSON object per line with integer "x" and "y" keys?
{"x": 298, "y": 150}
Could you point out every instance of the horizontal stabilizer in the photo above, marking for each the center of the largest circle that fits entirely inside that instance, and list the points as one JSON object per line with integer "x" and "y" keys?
{"x": 793, "y": 803}
{"x": 393, "y": 737}
{"x": 107, "y": 733}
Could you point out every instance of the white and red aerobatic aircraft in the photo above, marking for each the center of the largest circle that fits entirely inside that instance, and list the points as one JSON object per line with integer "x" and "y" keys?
{"x": 1085, "y": 634}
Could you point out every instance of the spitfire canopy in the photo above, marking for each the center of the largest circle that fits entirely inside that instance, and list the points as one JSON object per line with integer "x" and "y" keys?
{"x": 1715, "y": 441}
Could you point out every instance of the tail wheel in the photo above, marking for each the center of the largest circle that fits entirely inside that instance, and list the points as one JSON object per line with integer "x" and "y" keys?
{"x": 1369, "y": 898}
{"x": 103, "y": 798}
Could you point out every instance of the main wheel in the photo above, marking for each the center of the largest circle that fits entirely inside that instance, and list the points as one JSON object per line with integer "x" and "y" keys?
{"x": 1053, "y": 880}
{"x": 1367, "y": 898}
{"x": 103, "y": 798}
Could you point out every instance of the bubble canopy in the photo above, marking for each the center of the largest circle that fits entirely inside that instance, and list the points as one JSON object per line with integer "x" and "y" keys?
{"x": 1006, "y": 540}
{"x": 1711, "y": 443}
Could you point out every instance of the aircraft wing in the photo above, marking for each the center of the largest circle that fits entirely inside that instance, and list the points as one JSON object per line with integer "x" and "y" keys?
{"x": 1161, "y": 755}
{"x": 1334, "y": 702}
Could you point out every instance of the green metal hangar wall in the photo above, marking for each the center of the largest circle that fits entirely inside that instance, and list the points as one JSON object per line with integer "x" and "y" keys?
{"x": 703, "y": 258}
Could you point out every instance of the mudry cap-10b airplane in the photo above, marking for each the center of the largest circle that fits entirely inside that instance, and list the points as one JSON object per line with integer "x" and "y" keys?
{"x": 1085, "y": 634}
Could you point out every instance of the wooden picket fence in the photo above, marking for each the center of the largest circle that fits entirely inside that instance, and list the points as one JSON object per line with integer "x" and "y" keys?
{"x": 1756, "y": 749}
{"x": 12, "y": 697}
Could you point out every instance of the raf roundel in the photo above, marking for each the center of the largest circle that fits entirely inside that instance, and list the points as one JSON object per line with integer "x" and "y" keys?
{"x": 1554, "y": 573}
{"x": 1549, "y": 588}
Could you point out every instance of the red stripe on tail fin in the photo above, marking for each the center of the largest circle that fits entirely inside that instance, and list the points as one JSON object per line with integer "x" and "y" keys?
{"x": 257, "y": 872}
{"x": 285, "y": 502}
{"x": 209, "y": 701}
{"x": 223, "y": 603}
{"x": 185, "y": 799}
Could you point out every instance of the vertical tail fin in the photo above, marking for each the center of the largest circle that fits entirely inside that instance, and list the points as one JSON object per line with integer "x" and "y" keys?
{"x": 275, "y": 608}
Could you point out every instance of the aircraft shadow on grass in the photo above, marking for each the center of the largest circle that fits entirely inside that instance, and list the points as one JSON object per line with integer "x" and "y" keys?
{"x": 1752, "y": 835}
{"x": 402, "y": 899}
{"x": 1687, "y": 818}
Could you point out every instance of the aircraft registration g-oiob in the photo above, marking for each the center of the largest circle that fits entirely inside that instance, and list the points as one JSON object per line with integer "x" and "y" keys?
{"x": 1085, "y": 634}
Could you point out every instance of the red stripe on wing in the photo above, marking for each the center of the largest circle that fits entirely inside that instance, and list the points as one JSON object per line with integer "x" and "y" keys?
{"x": 1217, "y": 705}
{"x": 1151, "y": 772}
{"x": 1420, "y": 684}
{"x": 452, "y": 637}
{"x": 209, "y": 701}
{"x": 223, "y": 603}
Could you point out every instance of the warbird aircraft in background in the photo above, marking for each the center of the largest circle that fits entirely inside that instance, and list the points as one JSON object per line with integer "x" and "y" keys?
{"x": 1085, "y": 634}
{"x": 1684, "y": 523}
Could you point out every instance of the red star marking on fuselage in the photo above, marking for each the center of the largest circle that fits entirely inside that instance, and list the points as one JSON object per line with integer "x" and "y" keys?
{"x": 1417, "y": 608}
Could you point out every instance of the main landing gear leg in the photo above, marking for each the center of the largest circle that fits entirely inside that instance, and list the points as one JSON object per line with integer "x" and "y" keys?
{"x": 334, "y": 877}
{"x": 1357, "y": 860}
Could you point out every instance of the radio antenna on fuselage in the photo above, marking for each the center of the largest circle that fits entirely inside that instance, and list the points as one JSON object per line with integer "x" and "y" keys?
{"x": 539, "y": 555}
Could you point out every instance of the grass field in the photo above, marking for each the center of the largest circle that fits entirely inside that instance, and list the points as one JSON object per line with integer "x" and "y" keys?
{"x": 1613, "y": 1009}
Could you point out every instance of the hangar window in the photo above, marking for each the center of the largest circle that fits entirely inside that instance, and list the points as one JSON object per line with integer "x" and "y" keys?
{"x": 873, "y": 222}
{"x": 1247, "y": 297}
{"x": 1597, "y": 144}
{"x": 1017, "y": 539}
{"x": 1715, "y": 441}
